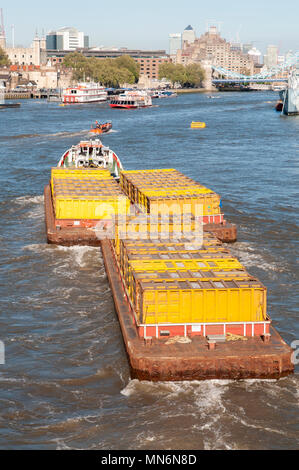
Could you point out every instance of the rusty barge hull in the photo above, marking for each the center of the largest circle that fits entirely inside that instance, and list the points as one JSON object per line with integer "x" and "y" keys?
{"x": 66, "y": 236}
{"x": 69, "y": 236}
{"x": 156, "y": 361}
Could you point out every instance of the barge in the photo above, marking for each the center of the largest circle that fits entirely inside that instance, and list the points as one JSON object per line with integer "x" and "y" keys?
{"x": 196, "y": 358}
{"x": 93, "y": 155}
{"x": 188, "y": 309}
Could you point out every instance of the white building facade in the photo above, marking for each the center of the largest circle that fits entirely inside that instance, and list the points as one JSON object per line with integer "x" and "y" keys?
{"x": 271, "y": 58}
{"x": 189, "y": 35}
{"x": 175, "y": 43}
{"x": 67, "y": 39}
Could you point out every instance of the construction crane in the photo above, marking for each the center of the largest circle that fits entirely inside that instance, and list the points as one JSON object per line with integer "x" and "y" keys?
{"x": 2, "y": 31}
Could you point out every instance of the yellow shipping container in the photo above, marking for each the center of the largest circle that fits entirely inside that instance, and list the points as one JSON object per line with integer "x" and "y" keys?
{"x": 164, "y": 191}
{"x": 201, "y": 204}
{"x": 202, "y": 301}
{"x": 171, "y": 249}
{"x": 80, "y": 173}
{"x": 99, "y": 209}
{"x": 194, "y": 265}
{"x": 208, "y": 240}
{"x": 126, "y": 258}
{"x": 153, "y": 239}
{"x": 208, "y": 277}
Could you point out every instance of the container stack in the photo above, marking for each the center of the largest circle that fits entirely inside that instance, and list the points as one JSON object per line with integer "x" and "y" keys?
{"x": 180, "y": 281}
{"x": 91, "y": 194}
{"x": 164, "y": 192}
{"x": 178, "y": 286}
{"x": 175, "y": 229}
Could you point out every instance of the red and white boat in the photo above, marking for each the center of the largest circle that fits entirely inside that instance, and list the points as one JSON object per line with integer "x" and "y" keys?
{"x": 131, "y": 100}
{"x": 84, "y": 93}
{"x": 91, "y": 154}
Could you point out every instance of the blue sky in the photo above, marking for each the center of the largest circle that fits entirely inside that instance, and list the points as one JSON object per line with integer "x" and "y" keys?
{"x": 146, "y": 24}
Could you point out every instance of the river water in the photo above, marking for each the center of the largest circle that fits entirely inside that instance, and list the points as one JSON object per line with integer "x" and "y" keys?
{"x": 65, "y": 383}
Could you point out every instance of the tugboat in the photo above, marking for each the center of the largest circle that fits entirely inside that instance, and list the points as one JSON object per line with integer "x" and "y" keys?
{"x": 91, "y": 154}
{"x": 101, "y": 128}
{"x": 82, "y": 193}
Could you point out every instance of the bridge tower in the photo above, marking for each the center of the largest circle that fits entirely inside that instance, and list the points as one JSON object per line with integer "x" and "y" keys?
{"x": 207, "y": 83}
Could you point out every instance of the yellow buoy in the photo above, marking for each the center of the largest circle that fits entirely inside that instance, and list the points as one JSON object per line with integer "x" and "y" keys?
{"x": 198, "y": 125}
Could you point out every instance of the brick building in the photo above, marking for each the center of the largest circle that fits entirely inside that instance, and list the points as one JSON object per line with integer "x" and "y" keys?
{"x": 212, "y": 47}
{"x": 149, "y": 60}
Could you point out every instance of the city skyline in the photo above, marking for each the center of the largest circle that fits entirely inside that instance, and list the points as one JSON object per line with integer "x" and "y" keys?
{"x": 131, "y": 25}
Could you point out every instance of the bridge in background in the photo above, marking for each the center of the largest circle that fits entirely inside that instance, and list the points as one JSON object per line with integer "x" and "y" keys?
{"x": 248, "y": 80}
{"x": 266, "y": 76}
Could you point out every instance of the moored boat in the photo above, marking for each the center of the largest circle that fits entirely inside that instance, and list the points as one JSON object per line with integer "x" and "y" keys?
{"x": 10, "y": 105}
{"x": 290, "y": 96}
{"x": 163, "y": 94}
{"x": 279, "y": 105}
{"x": 84, "y": 93}
{"x": 131, "y": 100}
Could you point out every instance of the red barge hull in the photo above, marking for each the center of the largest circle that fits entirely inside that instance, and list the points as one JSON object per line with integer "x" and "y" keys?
{"x": 154, "y": 360}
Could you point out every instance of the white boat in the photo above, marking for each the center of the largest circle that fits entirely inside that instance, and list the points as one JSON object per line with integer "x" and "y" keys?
{"x": 131, "y": 100}
{"x": 164, "y": 94}
{"x": 84, "y": 93}
{"x": 290, "y": 96}
{"x": 91, "y": 154}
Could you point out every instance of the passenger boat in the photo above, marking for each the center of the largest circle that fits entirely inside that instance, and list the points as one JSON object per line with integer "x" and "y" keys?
{"x": 84, "y": 93}
{"x": 131, "y": 100}
{"x": 91, "y": 154}
{"x": 9, "y": 105}
{"x": 101, "y": 128}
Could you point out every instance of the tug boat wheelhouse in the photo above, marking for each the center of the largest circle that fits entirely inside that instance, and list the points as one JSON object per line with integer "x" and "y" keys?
{"x": 84, "y": 93}
{"x": 91, "y": 154}
{"x": 131, "y": 100}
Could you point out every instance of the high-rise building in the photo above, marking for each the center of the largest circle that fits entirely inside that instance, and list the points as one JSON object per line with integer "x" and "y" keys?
{"x": 281, "y": 59}
{"x": 255, "y": 55}
{"x": 247, "y": 47}
{"x": 213, "y": 48}
{"x": 67, "y": 39}
{"x": 175, "y": 43}
{"x": 271, "y": 58}
{"x": 236, "y": 46}
{"x": 189, "y": 35}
